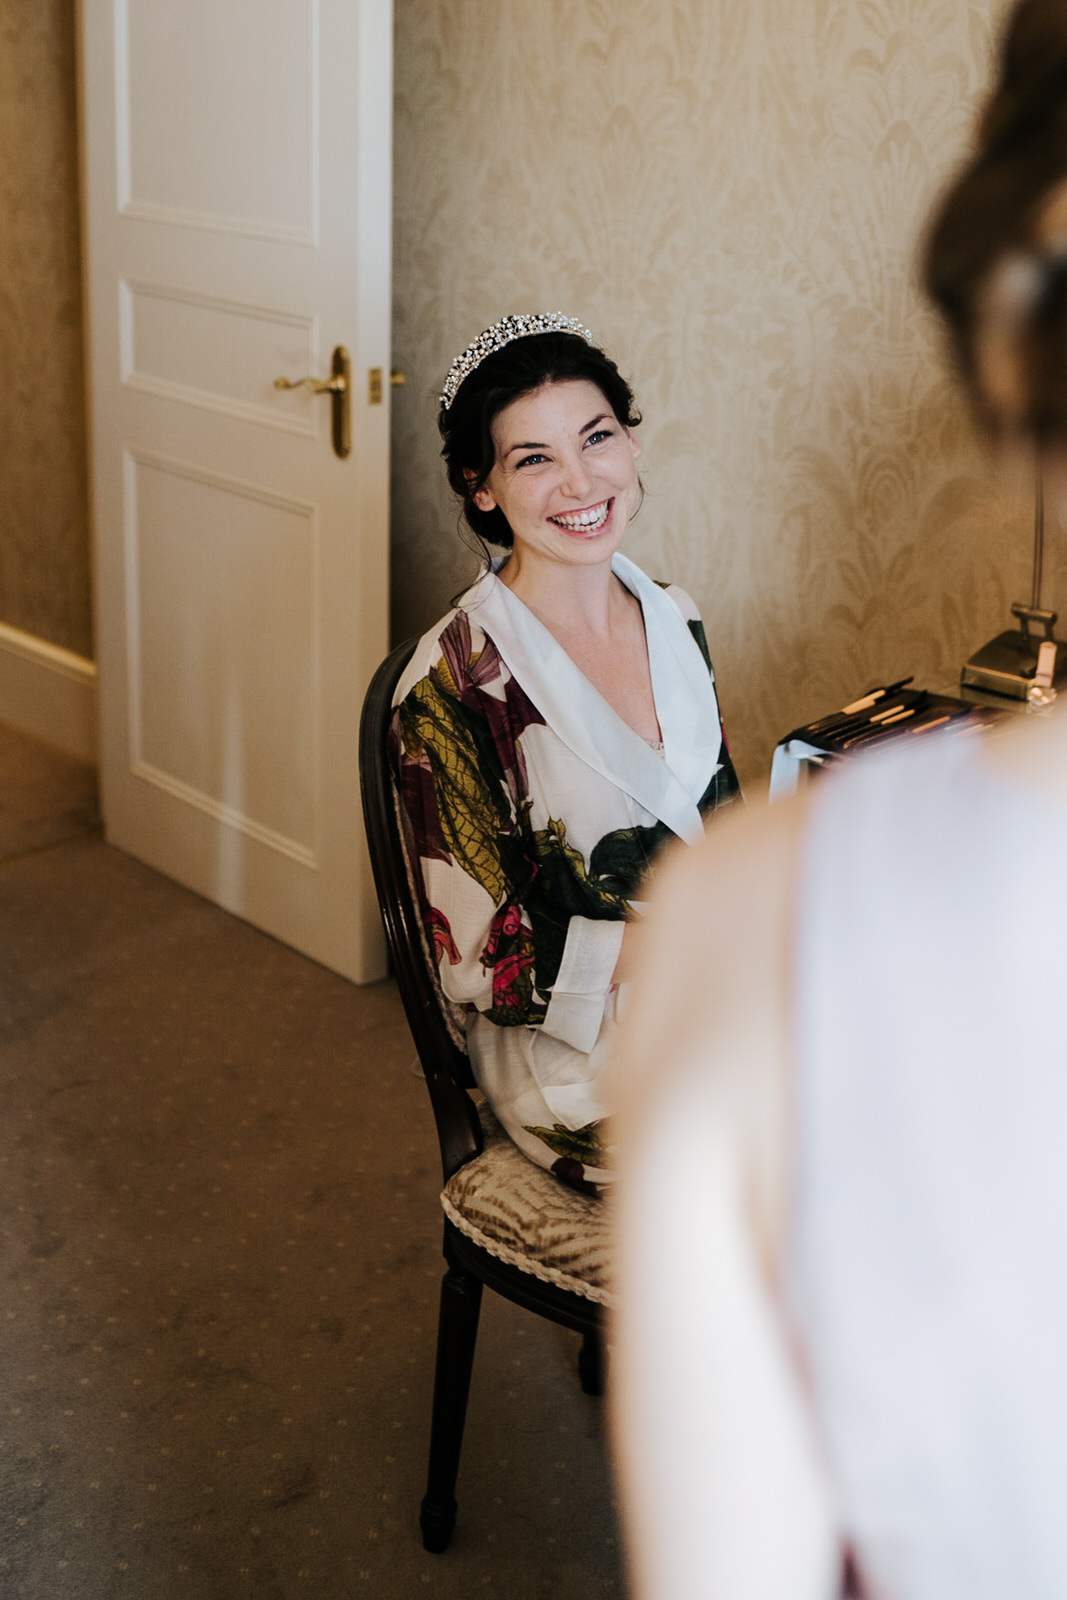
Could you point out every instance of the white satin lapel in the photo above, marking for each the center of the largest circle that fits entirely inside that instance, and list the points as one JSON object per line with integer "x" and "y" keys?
{"x": 580, "y": 716}
{"x": 683, "y": 688}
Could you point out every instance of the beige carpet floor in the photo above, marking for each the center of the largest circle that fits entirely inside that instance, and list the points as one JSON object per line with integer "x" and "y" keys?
{"x": 219, "y": 1263}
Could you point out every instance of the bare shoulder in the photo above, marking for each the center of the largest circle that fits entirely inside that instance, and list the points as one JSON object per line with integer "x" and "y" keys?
{"x": 683, "y": 600}
{"x": 715, "y": 944}
{"x": 707, "y": 1024}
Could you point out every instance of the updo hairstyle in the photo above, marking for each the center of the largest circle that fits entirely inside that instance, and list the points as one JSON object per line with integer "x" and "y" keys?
{"x": 996, "y": 249}
{"x": 520, "y": 368}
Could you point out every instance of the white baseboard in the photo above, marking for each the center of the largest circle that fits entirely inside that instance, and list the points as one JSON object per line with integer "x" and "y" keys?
{"x": 48, "y": 692}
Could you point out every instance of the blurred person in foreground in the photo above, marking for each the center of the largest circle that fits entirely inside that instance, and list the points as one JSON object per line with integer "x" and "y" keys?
{"x": 842, "y": 1359}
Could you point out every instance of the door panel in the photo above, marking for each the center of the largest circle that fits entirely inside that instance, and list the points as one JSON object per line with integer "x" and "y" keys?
{"x": 224, "y": 698}
{"x": 219, "y": 114}
{"x": 220, "y": 354}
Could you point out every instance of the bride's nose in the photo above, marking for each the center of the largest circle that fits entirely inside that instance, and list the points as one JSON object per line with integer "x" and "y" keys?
{"x": 577, "y": 480}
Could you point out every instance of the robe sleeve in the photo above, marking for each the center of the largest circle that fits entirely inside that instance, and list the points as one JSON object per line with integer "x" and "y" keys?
{"x": 464, "y": 798}
{"x": 590, "y": 957}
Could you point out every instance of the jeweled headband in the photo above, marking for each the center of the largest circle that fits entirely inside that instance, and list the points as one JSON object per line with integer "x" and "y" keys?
{"x": 500, "y": 334}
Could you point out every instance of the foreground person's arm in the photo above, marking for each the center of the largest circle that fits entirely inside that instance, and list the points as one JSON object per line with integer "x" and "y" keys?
{"x": 722, "y": 1493}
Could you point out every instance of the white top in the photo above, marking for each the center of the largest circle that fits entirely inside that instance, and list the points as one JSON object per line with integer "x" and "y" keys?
{"x": 927, "y": 1268}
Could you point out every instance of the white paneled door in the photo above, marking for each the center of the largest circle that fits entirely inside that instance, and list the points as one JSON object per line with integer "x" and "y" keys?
{"x": 237, "y": 216}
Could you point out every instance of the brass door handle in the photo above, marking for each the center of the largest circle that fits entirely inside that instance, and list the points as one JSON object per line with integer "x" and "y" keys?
{"x": 339, "y": 388}
{"x": 316, "y": 385}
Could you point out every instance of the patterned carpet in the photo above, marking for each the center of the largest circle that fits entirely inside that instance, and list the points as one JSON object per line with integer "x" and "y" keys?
{"x": 220, "y": 1246}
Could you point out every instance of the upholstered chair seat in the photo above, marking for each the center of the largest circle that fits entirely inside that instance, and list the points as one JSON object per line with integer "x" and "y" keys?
{"x": 524, "y": 1216}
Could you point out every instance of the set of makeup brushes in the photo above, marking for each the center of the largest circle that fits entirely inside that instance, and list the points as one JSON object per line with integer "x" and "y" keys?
{"x": 886, "y": 713}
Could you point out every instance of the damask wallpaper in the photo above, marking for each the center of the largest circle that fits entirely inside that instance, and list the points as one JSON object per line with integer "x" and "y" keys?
{"x": 44, "y": 538}
{"x": 730, "y": 196}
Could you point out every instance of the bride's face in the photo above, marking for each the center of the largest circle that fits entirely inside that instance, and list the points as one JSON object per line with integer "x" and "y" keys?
{"x": 565, "y": 475}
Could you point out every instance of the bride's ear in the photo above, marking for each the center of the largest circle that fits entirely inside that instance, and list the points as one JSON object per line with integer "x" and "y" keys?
{"x": 483, "y": 497}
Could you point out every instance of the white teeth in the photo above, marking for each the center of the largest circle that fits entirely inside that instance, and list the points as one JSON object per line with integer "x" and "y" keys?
{"x": 584, "y": 519}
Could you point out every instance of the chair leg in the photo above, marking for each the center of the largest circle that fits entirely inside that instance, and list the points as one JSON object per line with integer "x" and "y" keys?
{"x": 591, "y": 1363}
{"x": 457, "y": 1331}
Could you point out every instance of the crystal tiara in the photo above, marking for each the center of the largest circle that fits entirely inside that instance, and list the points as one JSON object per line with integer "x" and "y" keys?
{"x": 502, "y": 333}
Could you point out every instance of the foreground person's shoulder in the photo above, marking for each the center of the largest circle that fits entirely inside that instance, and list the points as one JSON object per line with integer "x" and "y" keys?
{"x": 746, "y": 862}
{"x": 714, "y": 952}
{"x": 683, "y": 600}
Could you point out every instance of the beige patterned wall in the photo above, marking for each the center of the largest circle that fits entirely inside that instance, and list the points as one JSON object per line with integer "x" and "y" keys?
{"x": 44, "y": 540}
{"x": 729, "y": 194}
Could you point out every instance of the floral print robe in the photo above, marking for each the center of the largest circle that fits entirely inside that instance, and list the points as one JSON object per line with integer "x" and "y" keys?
{"x": 534, "y": 813}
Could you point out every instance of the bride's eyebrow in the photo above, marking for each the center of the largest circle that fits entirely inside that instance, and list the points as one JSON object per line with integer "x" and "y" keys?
{"x": 531, "y": 444}
{"x": 603, "y": 417}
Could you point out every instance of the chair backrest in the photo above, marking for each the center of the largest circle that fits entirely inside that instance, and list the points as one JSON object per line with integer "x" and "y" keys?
{"x": 445, "y": 1066}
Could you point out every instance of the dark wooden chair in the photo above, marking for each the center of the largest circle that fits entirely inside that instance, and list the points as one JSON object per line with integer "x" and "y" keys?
{"x": 507, "y": 1223}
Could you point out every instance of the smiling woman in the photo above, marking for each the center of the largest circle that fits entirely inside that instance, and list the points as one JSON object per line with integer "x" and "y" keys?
{"x": 552, "y": 733}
